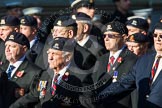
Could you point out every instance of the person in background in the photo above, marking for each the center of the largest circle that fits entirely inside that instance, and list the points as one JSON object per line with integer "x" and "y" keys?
{"x": 140, "y": 25}
{"x": 88, "y": 7}
{"x": 14, "y": 8}
{"x": 85, "y": 6}
{"x": 35, "y": 12}
{"x": 122, "y": 10}
{"x": 138, "y": 43}
{"x": 8, "y": 24}
{"x": 137, "y": 25}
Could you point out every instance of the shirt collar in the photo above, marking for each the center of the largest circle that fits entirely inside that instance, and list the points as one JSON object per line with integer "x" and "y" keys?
{"x": 83, "y": 42}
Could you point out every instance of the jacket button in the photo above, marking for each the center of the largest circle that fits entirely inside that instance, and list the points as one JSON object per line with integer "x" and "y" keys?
{"x": 51, "y": 99}
{"x": 147, "y": 96}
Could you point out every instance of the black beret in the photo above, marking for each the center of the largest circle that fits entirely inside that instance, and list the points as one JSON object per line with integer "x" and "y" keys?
{"x": 65, "y": 21}
{"x": 116, "y": 26}
{"x": 82, "y": 3}
{"x": 10, "y": 21}
{"x": 63, "y": 44}
{"x": 138, "y": 23}
{"x": 18, "y": 38}
{"x": 82, "y": 16}
{"x": 158, "y": 25}
{"x": 28, "y": 21}
{"x": 138, "y": 38}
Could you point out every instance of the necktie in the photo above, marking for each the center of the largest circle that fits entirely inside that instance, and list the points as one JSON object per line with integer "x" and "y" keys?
{"x": 154, "y": 68}
{"x": 111, "y": 62}
{"x": 54, "y": 85}
{"x": 10, "y": 69}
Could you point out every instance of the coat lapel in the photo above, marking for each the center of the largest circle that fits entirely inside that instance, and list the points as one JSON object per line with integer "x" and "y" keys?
{"x": 156, "y": 80}
{"x": 21, "y": 69}
{"x": 118, "y": 61}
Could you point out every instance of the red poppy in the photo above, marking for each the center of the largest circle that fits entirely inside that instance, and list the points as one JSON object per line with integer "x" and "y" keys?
{"x": 20, "y": 73}
{"x": 119, "y": 59}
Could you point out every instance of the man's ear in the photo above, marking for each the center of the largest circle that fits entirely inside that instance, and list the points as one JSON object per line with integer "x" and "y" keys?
{"x": 25, "y": 48}
{"x": 86, "y": 28}
{"x": 71, "y": 34}
{"x": 16, "y": 29}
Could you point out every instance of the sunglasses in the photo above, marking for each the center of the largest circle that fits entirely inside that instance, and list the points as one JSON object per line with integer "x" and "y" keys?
{"x": 112, "y": 35}
{"x": 156, "y": 35}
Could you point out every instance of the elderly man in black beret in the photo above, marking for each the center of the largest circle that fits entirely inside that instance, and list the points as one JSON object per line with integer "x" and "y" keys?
{"x": 119, "y": 60}
{"x": 8, "y": 24}
{"x": 148, "y": 81}
{"x": 52, "y": 89}
{"x": 21, "y": 72}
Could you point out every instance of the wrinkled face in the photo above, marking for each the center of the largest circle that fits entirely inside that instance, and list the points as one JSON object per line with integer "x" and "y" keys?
{"x": 134, "y": 47}
{"x": 26, "y": 30}
{"x": 132, "y": 30}
{"x": 113, "y": 40}
{"x": 124, "y": 4}
{"x": 59, "y": 31}
{"x": 5, "y": 31}
{"x": 14, "y": 51}
{"x": 158, "y": 40}
{"x": 55, "y": 58}
{"x": 86, "y": 10}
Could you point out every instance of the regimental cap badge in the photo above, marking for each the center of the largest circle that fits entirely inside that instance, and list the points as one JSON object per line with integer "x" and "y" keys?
{"x": 3, "y": 21}
{"x": 73, "y": 17}
{"x": 59, "y": 22}
{"x": 11, "y": 37}
{"x": 56, "y": 46}
{"x": 134, "y": 22}
{"x": 109, "y": 27}
{"x": 22, "y": 21}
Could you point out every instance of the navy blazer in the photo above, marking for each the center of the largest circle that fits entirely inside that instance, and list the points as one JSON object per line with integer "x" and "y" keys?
{"x": 150, "y": 96}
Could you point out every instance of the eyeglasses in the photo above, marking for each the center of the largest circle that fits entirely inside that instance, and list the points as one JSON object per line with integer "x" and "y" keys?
{"x": 112, "y": 35}
{"x": 156, "y": 35}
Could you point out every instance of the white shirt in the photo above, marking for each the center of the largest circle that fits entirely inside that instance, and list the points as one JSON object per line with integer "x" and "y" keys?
{"x": 83, "y": 42}
{"x": 116, "y": 55}
{"x": 61, "y": 72}
{"x": 16, "y": 65}
{"x": 33, "y": 41}
{"x": 158, "y": 69}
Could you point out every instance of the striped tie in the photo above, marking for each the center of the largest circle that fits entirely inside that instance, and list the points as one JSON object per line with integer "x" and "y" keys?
{"x": 54, "y": 85}
{"x": 154, "y": 68}
{"x": 10, "y": 69}
{"x": 111, "y": 62}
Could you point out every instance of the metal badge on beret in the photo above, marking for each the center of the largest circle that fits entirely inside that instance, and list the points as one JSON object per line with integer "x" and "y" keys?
{"x": 109, "y": 27}
{"x": 134, "y": 22}
{"x": 11, "y": 37}
{"x": 22, "y": 21}
{"x": 59, "y": 23}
